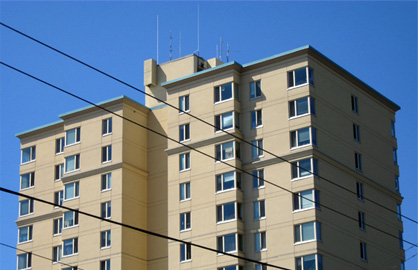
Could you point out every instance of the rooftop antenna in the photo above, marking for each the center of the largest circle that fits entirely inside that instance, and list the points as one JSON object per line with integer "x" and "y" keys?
{"x": 157, "y": 40}
{"x": 171, "y": 46}
{"x": 198, "y": 16}
{"x": 217, "y": 53}
{"x": 220, "y": 49}
{"x": 180, "y": 46}
{"x": 227, "y": 52}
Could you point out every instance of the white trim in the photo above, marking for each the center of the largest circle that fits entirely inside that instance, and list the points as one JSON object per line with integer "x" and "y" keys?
{"x": 30, "y": 161}
{"x": 68, "y": 145}
{"x": 300, "y": 85}
{"x": 225, "y": 100}
{"x": 107, "y": 134}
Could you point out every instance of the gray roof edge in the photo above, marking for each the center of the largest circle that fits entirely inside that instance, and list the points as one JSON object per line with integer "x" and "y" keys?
{"x": 40, "y": 127}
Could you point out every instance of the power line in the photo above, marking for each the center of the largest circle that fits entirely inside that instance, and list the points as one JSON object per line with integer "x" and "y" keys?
{"x": 139, "y": 229}
{"x": 201, "y": 120}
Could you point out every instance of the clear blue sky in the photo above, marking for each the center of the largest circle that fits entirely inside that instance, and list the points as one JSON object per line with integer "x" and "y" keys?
{"x": 375, "y": 41}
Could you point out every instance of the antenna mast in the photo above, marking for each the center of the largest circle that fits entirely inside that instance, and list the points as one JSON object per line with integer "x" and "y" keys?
{"x": 227, "y": 52}
{"x": 198, "y": 16}
{"x": 171, "y": 46}
{"x": 157, "y": 40}
{"x": 220, "y": 49}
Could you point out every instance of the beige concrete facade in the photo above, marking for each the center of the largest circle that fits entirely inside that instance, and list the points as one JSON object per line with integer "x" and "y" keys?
{"x": 299, "y": 106}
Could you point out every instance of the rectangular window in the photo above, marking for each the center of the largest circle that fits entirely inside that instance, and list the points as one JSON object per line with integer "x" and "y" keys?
{"x": 357, "y": 161}
{"x": 258, "y": 179}
{"x": 309, "y": 231}
{"x": 184, "y": 132}
{"x": 392, "y": 128}
{"x": 185, "y": 191}
{"x": 299, "y": 77}
{"x": 27, "y": 180}
{"x": 359, "y": 191}
{"x": 230, "y": 243}
{"x": 70, "y": 246}
{"x": 107, "y": 126}
{"x": 363, "y": 253}
{"x": 256, "y": 119}
{"x": 185, "y": 252}
{"x": 257, "y": 149}
{"x": 106, "y": 181}
{"x": 302, "y": 137}
{"x": 226, "y": 121}
{"x": 59, "y": 145}
{"x": 259, "y": 210}
{"x": 397, "y": 187}
{"x": 105, "y": 265}
{"x": 354, "y": 104}
{"x": 255, "y": 89}
{"x": 59, "y": 171}
{"x": 260, "y": 241}
{"x": 105, "y": 239}
{"x": 356, "y": 132}
{"x": 226, "y": 151}
{"x": 398, "y": 210}
{"x": 307, "y": 199}
{"x": 226, "y": 92}
{"x": 361, "y": 221}
{"x": 70, "y": 268}
{"x": 25, "y": 207}
{"x": 302, "y": 106}
{"x": 71, "y": 191}
{"x": 70, "y": 219}
{"x": 106, "y": 210}
{"x": 395, "y": 156}
{"x": 106, "y": 153}
{"x": 261, "y": 267}
{"x": 57, "y": 226}
{"x": 72, "y": 163}
{"x": 304, "y": 168}
{"x": 401, "y": 240}
{"x": 184, "y": 161}
{"x": 309, "y": 262}
{"x": 24, "y": 261}
{"x": 56, "y": 254}
{"x": 28, "y": 154}
{"x": 58, "y": 197}
{"x": 184, "y": 103}
{"x": 228, "y": 211}
{"x": 72, "y": 136}
{"x": 231, "y": 267}
{"x": 185, "y": 221}
{"x": 25, "y": 234}
{"x": 227, "y": 181}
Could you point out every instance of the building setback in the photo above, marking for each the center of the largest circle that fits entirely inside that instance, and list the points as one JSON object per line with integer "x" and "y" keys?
{"x": 298, "y": 180}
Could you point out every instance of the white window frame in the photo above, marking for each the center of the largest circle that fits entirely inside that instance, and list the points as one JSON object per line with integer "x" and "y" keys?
{"x": 74, "y": 218}
{"x": 106, "y": 210}
{"x": 361, "y": 223}
{"x": 356, "y": 132}
{"x": 259, "y": 210}
{"x": 77, "y": 135}
{"x": 257, "y": 149}
{"x": 354, "y": 104}
{"x": 220, "y": 212}
{"x": 76, "y": 191}
{"x": 256, "y": 119}
{"x": 293, "y": 107}
{"x": 59, "y": 145}
{"x": 363, "y": 251}
{"x": 357, "y": 161}
{"x": 185, "y": 221}
{"x": 30, "y": 207}
{"x": 106, "y": 153}
{"x": 219, "y": 150}
{"x": 105, "y": 264}
{"x": 220, "y": 118}
{"x": 59, "y": 171}
{"x": 237, "y": 239}
{"x": 32, "y": 155}
{"x": 29, "y": 234}
{"x": 220, "y": 182}
{"x": 359, "y": 193}
{"x": 218, "y": 92}
{"x": 184, "y": 104}
{"x": 295, "y": 140}
{"x": 318, "y": 262}
{"x": 31, "y": 176}
{"x": 184, "y": 162}
{"x": 57, "y": 225}
{"x": 28, "y": 261}
{"x": 317, "y": 233}
{"x": 106, "y": 182}
{"x": 76, "y": 164}
{"x": 254, "y": 86}
{"x": 260, "y": 241}
{"x": 291, "y": 77}
{"x": 184, "y": 132}
{"x": 58, "y": 197}
{"x": 74, "y": 248}
{"x": 185, "y": 249}
{"x": 299, "y": 198}
{"x": 105, "y": 239}
{"x": 56, "y": 254}
{"x": 296, "y": 168}
{"x": 184, "y": 187}
{"x": 107, "y": 126}
{"x": 258, "y": 179}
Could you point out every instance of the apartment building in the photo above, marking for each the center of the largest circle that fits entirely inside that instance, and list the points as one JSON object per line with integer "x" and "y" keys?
{"x": 305, "y": 176}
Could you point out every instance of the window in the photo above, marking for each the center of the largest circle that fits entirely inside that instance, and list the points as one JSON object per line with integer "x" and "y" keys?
{"x": 70, "y": 268}
{"x": 185, "y": 221}
{"x": 302, "y": 106}
{"x": 228, "y": 211}
{"x": 70, "y": 246}
{"x": 260, "y": 267}
{"x": 24, "y": 261}
{"x": 299, "y": 76}
{"x": 309, "y": 231}
{"x": 185, "y": 191}
{"x": 57, "y": 226}
{"x": 402, "y": 265}
{"x": 392, "y": 128}
{"x": 107, "y": 126}
{"x": 361, "y": 221}
{"x": 398, "y": 211}
{"x": 106, "y": 210}
{"x": 260, "y": 241}
{"x": 363, "y": 253}
{"x": 106, "y": 153}
{"x": 70, "y": 219}
{"x": 257, "y": 148}
{"x": 400, "y": 240}
{"x": 397, "y": 188}
{"x": 28, "y": 154}
{"x": 225, "y": 151}
{"x": 255, "y": 89}
{"x": 59, "y": 145}
{"x": 184, "y": 103}
{"x": 359, "y": 191}
{"x": 303, "y": 168}
{"x": 58, "y": 197}
{"x": 356, "y": 132}
{"x": 357, "y": 161}
{"x": 71, "y": 191}
{"x": 307, "y": 199}
{"x": 72, "y": 163}
{"x": 184, "y": 132}
{"x": 105, "y": 265}
{"x": 25, "y": 207}
{"x": 105, "y": 239}
{"x": 27, "y": 180}
{"x": 259, "y": 210}
{"x": 226, "y": 92}
{"x": 309, "y": 262}
{"x": 25, "y": 234}
{"x": 227, "y": 181}
{"x": 185, "y": 252}
{"x": 395, "y": 156}
{"x": 72, "y": 136}
{"x": 231, "y": 267}
{"x": 59, "y": 171}
{"x": 106, "y": 181}
{"x": 354, "y": 104}
{"x": 301, "y": 137}
{"x": 184, "y": 161}
{"x": 256, "y": 119}
{"x": 228, "y": 243}
{"x": 258, "y": 179}
{"x": 226, "y": 121}
{"x": 56, "y": 254}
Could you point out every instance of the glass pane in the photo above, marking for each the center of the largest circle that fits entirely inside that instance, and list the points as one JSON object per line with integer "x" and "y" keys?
{"x": 307, "y": 198}
{"x": 256, "y": 210}
{"x": 228, "y": 150}
{"x": 25, "y": 181}
{"x": 230, "y": 242}
{"x": 252, "y": 90}
{"x": 68, "y": 219}
{"x": 255, "y": 179}
{"x": 297, "y": 233}
{"x": 68, "y": 247}
{"x": 305, "y": 167}
{"x": 229, "y": 211}
{"x": 25, "y": 155}
{"x": 304, "y": 137}
{"x": 23, "y": 234}
{"x": 253, "y": 119}
{"x": 302, "y": 106}
{"x": 228, "y": 180}
{"x": 24, "y": 207}
{"x": 227, "y": 120}
{"x": 308, "y": 232}
{"x": 309, "y": 262}
{"x": 300, "y": 76}
{"x": 262, "y": 209}
{"x": 226, "y": 91}
{"x": 69, "y": 191}
{"x": 290, "y": 79}
{"x": 70, "y": 164}
{"x": 71, "y": 136}
{"x": 257, "y": 242}
{"x": 21, "y": 261}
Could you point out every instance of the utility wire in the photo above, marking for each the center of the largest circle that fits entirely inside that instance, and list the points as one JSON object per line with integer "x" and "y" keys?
{"x": 199, "y": 119}
{"x": 196, "y": 150}
{"x": 139, "y": 229}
